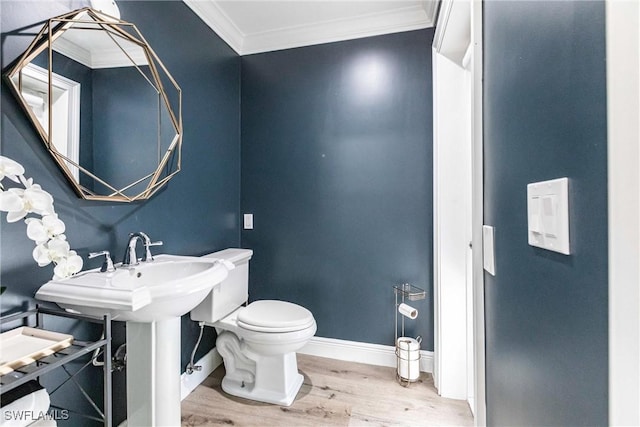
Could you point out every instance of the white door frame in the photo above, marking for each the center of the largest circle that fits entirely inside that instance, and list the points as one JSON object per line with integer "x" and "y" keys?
{"x": 64, "y": 131}
{"x": 477, "y": 213}
{"x": 464, "y": 25}
{"x": 453, "y": 368}
{"x": 623, "y": 138}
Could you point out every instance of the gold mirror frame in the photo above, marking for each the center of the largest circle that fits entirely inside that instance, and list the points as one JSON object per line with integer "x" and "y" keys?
{"x": 156, "y": 75}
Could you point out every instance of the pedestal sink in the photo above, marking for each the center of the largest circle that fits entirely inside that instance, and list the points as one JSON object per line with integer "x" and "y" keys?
{"x": 150, "y": 297}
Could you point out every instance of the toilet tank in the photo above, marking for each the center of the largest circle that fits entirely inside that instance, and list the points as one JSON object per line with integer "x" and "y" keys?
{"x": 229, "y": 294}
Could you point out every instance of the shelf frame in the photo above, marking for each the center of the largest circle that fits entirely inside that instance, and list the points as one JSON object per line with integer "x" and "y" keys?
{"x": 60, "y": 358}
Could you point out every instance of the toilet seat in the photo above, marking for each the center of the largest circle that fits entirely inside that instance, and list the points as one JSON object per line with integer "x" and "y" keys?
{"x": 272, "y": 316}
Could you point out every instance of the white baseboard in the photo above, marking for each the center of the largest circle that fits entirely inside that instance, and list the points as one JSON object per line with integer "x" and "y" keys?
{"x": 350, "y": 351}
{"x": 209, "y": 363}
{"x": 353, "y": 351}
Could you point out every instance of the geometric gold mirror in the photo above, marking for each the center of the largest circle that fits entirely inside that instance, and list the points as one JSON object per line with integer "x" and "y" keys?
{"x": 107, "y": 109}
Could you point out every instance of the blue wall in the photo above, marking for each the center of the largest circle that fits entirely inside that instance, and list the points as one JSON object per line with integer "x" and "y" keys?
{"x": 337, "y": 170}
{"x": 197, "y": 213}
{"x": 545, "y": 118}
{"x": 132, "y": 103}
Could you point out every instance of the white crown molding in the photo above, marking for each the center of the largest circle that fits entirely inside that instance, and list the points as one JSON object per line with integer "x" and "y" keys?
{"x": 431, "y": 9}
{"x": 105, "y": 58}
{"x": 393, "y": 21}
{"x": 113, "y": 58}
{"x": 405, "y": 19}
{"x": 218, "y": 21}
{"x": 73, "y": 51}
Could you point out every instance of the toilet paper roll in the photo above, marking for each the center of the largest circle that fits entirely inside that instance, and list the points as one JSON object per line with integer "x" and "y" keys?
{"x": 32, "y": 404}
{"x": 407, "y": 311}
{"x": 408, "y": 352}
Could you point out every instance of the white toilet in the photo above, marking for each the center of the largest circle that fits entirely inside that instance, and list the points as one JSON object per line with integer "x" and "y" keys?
{"x": 258, "y": 342}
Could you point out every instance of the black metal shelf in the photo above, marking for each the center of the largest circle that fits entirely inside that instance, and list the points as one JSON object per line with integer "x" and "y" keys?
{"x": 60, "y": 358}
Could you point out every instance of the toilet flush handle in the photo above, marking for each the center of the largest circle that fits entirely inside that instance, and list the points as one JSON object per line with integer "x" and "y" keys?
{"x": 228, "y": 264}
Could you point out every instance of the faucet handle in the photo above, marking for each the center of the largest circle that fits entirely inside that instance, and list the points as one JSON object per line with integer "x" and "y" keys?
{"x": 107, "y": 265}
{"x": 147, "y": 245}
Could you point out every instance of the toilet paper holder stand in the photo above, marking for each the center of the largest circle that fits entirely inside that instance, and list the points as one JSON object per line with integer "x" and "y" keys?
{"x": 405, "y": 362}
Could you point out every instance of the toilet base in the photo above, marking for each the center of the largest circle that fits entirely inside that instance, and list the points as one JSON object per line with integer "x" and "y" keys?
{"x": 266, "y": 378}
{"x": 249, "y": 391}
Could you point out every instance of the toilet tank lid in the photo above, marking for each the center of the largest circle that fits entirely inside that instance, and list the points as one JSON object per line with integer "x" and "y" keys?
{"x": 234, "y": 255}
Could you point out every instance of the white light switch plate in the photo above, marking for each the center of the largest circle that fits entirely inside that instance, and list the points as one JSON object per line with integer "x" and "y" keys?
{"x": 548, "y": 215}
{"x": 488, "y": 252}
{"x": 248, "y": 221}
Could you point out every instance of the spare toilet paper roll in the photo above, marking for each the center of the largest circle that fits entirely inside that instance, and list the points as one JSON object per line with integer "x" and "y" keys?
{"x": 408, "y": 352}
{"x": 407, "y": 311}
{"x": 33, "y": 404}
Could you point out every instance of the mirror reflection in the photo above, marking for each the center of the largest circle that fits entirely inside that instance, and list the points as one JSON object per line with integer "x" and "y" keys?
{"x": 106, "y": 107}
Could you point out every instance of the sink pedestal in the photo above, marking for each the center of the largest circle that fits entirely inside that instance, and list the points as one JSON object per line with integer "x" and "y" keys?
{"x": 153, "y": 373}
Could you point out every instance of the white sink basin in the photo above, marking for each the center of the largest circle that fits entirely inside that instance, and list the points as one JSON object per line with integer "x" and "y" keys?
{"x": 167, "y": 287}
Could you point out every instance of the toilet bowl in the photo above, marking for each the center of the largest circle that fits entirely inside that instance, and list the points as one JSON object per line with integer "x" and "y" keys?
{"x": 258, "y": 349}
{"x": 257, "y": 342}
{"x": 270, "y": 326}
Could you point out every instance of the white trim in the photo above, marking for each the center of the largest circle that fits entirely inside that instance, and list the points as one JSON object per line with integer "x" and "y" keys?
{"x": 452, "y": 226}
{"x": 453, "y": 31}
{"x": 623, "y": 137}
{"x": 360, "y": 352}
{"x": 218, "y": 21}
{"x": 443, "y": 19}
{"x": 393, "y": 21}
{"x": 113, "y": 57}
{"x": 431, "y": 9}
{"x": 73, "y": 137}
{"x": 72, "y": 90}
{"x": 437, "y": 331}
{"x": 477, "y": 214}
{"x": 73, "y": 51}
{"x": 454, "y": 262}
{"x": 404, "y": 19}
{"x": 458, "y": 37}
{"x": 209, "y": 363}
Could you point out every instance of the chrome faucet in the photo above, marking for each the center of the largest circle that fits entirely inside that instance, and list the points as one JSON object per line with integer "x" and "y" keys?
{"x": 130, "y": 256}
{"x": 107, "y": 265}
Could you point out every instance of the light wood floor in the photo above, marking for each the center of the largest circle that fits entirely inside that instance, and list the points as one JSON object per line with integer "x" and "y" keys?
{"x": 334, "y": 393}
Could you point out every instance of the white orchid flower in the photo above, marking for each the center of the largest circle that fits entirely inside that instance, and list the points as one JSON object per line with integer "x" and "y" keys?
{"x": 41, "y": 255}
{"x": 55, "y": 250}
{"x": 10, "y": 169}
{"x": 59, "y": 248}
{"x": 41, "y": 230}
{"x": 10, "y": 201}
{"x": 68, "y": 266}
{"x": 51, "y": 243}
{"x": 34, "y": 200}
